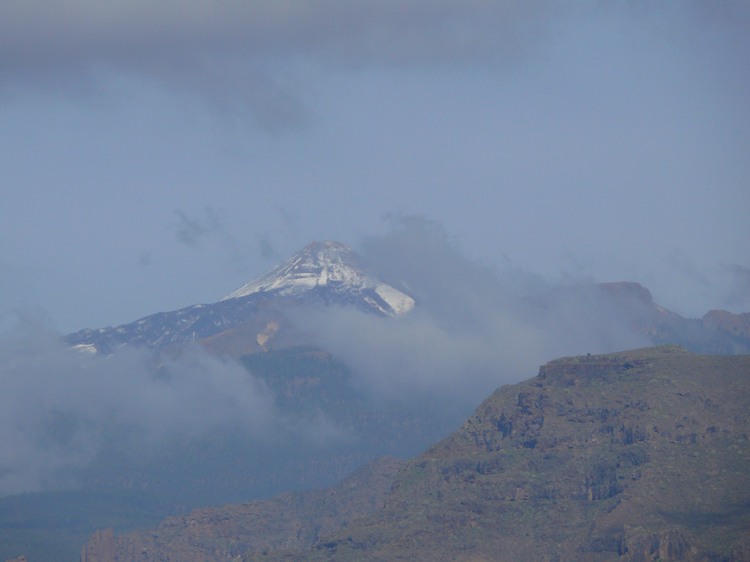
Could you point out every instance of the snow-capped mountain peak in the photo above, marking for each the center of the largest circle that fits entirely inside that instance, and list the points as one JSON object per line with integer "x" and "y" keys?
{"x": 331, "y": 267}
{"x": 323, "y": 272}
{"x": 317, "y": 264}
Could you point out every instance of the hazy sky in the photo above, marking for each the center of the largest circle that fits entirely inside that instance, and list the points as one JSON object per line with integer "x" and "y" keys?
{"x": 157, "y": 155}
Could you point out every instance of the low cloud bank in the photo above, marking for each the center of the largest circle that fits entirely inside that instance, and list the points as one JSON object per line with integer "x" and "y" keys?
{"x": 58, "y": 406}
{"x": 473, "y": 330}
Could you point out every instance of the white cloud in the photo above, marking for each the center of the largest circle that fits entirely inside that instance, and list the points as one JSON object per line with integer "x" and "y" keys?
{"x": 58, "y": 405}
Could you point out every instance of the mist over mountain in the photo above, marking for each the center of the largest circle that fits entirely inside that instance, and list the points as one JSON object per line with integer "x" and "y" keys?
{"x": 633, "y": 456}
{"x": 471, "y": 321}
{"x": 583, "y": 165}
{"x": 60, "y": 406}
{"x": 454, "y": 331}
{"x": 297, "y": 378}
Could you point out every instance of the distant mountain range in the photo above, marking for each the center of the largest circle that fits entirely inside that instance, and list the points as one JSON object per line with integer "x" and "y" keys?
{"x": 254, "y": 317}
{"x": 631, "y": 306}
{"x": 626, "y": 457}
{"x": 323, "y": 273}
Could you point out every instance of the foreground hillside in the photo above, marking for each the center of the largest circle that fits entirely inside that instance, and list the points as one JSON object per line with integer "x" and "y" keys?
{"x": 639, "y": 455}
{"x": 293, "y": 520}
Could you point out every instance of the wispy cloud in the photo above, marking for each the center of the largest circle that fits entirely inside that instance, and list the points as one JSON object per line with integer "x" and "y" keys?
{"x": 191, "y": 229}
{"x": 737, "y": 294}
{"x": 266, "y": 248}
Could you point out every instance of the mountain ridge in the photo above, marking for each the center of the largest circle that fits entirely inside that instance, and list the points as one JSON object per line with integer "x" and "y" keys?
{"x": 630, "y": 456}
{"x": 328, "y": 264}
{"x": 590, "y": 460}
{"x": 255, "y": 316}
{"x": 328, "y": 273}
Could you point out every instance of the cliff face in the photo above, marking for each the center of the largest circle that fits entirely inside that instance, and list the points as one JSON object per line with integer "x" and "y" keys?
{"x": 734, "y": 327}
{"x": 291, "y": 521}
{"x": 633, "y": 456}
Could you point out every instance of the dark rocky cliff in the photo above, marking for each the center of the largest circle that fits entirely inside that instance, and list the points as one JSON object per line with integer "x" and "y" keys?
{"x": 631, "y": 456}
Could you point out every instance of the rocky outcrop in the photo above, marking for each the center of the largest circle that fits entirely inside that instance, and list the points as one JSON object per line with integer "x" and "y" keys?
{"x": 672, "y": 544}
{"x": 735, "y": 324}
{"x": 628, "y": 290}
{"x": 626, "y": 457}
{"x": 629, "y": 307}
{"x": 100, "y": 548}
{"x": 731, "y": 332}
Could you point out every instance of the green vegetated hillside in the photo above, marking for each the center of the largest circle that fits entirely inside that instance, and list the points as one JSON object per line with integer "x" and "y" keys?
{"x": 639, "y": 455}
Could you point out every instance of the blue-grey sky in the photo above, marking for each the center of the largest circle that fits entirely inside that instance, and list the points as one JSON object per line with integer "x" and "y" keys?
{"x": 157, "y": 155}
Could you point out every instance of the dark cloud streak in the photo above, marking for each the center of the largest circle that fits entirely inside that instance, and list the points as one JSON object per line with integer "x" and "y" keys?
{"x": 191, "y": 229}
{"x": 239, "y": 56}
{"x": 60, "y": 37}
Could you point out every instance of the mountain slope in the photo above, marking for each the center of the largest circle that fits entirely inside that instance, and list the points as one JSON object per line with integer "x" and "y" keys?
{"x": 334, "y": 268}
{"x": 327, "y": 273}
{"x": 636, "y": 456}
{"x": 256, "y": 316}
{"x": 293, "y": 520}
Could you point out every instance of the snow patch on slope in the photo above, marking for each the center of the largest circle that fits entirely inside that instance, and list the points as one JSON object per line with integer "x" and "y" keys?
{"x": 330, "y": 265}
{"x": 399, "y": 302}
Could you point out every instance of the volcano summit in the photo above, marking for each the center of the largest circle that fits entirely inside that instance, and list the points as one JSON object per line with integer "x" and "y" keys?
{"x": 327, "y": 273}
{"x": 333, "y": 269}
